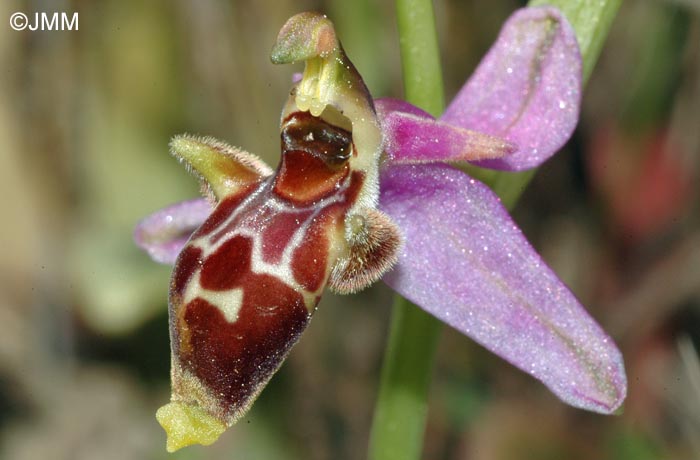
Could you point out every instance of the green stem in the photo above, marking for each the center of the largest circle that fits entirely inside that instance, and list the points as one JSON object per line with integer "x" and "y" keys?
{"x": 400, "y": 412}
{"x": 402, "y": 402}
{"x": 420, "y": 55}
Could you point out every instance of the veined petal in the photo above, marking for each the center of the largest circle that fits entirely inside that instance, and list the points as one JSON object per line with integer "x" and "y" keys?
{"x": 413, "y": 136}
{"x": 527, "y": 89}
{"x": 164, "y": 233}
{"x": 467, "y": 263}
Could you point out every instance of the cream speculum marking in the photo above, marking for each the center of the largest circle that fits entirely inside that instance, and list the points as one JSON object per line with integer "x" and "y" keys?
{"x": 248, "y": 281}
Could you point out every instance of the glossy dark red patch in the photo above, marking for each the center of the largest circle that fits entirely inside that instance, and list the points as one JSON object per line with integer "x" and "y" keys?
{"x": 223, "y": 210}
{"x": 304, "y": 178}
{"x": 256, "y": 210}
{"x": 234, "y": 359}
{"x": 187, "y": 263}
{"x": 223, "y": 269}
{"x": 310, "y": 259}
{"x": 279, "y": 232}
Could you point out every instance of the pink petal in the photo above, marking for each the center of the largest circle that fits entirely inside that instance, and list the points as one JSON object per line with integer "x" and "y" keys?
{"x": 164, "y": 233}
{"x": 467, "y": 263}
{"x": 413, "y": 136}
{"x": 385, "y": 105}
{"x": 527, "y": 89}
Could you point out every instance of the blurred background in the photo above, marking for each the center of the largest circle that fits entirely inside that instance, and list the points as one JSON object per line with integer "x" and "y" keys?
{"x": 85, "y": 119}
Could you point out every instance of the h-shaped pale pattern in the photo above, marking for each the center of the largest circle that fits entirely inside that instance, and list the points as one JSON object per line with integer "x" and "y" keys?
{"x": 248, "y": 281}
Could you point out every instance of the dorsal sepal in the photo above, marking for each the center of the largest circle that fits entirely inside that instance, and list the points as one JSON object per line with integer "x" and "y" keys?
{"x": 305, "y": 36}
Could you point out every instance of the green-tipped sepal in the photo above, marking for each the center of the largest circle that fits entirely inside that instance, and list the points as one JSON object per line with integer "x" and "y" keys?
{"x": 222, "y": 169}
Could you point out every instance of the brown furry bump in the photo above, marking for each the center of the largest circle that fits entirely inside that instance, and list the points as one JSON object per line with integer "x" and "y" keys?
{"x": 374, "y": 241}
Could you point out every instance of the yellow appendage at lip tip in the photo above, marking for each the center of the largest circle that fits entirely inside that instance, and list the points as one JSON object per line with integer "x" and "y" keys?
{"x": 186, "y": 424}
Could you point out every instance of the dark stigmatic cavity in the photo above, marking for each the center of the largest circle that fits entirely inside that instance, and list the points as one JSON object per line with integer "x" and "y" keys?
{"x": 304, "y": 132}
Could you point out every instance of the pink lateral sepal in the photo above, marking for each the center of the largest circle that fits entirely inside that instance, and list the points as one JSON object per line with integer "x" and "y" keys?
{"x": 467, "y": 263}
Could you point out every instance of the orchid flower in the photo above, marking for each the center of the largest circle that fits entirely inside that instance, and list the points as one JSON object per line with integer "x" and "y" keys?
{"x": 365, "y": 191}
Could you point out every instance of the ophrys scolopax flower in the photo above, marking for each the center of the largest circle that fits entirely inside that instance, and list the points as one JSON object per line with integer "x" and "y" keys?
{"x": 363, "y": 185}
